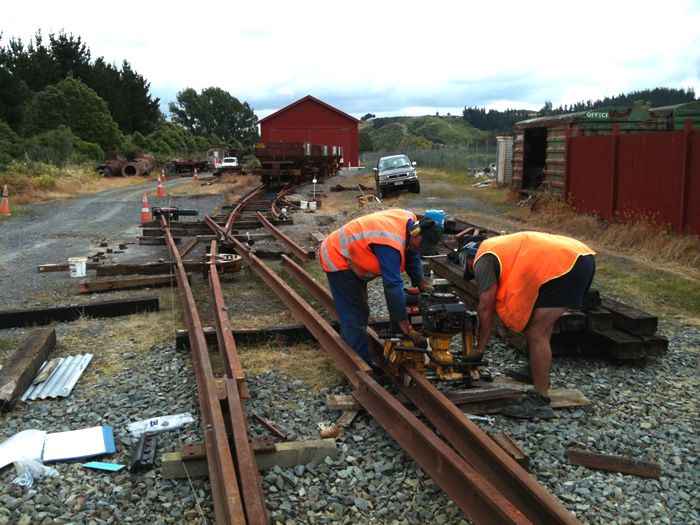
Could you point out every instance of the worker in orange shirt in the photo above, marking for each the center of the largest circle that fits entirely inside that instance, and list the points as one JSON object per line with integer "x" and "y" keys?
{"x": 529, "y": 279}
{"x": 385, "y": 243}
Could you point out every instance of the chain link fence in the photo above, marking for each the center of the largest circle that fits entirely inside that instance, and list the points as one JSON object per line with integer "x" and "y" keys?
{"x": 467, "y": 158}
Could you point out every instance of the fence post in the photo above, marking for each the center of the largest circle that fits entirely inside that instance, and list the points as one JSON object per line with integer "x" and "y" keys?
{"x": 614, "y": 174}
{"x": 567, "y": 164}
{"x": 685, "y": 175}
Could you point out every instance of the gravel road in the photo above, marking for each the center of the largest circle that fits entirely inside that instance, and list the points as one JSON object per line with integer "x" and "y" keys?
{"x": 50, "y": 233}
{"x": 646, "y": 410}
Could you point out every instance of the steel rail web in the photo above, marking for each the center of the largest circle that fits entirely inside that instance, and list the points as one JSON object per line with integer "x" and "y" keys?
{"x": 224, "y": 485}
{"x": 297, "y": 250}
{"x": 348, "y": 361}
{"x": 230, "y": 361}
{"x": 467, "y": 488}
{"x": 252, "y": 196}
{"x": 469, "y": 440}
{"x": 248, "y": 475}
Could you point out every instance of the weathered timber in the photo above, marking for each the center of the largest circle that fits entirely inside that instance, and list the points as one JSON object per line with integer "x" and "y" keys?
{"x": 154, "y": 268}
{"x": 638, "y": 467}
{"x": 184, "y": 231}
{"x": 22, "y": 366}
{"x": 297, "y": 333}
{"x": 285, "y": 455}
{"x": 564, "y": 398}
{"x": 482, "y": 400}
{"x": 592, "y": 299}
{"x": 571, "y": 321}
{"x": 318, "y": 236}
{"x": 64, "y": 267}
{"x": 112, "y": 308}
{"x": 654, "y": 345}
{"x": 155, "y": 241}
{"x": 630, "y": 319}
{"x": 512, "y": 449}
{"x": 106, "y": 285}
{"x": 619, "y": 344}
{"x": 599, "y": 318}
{"x": 346, "y": 419}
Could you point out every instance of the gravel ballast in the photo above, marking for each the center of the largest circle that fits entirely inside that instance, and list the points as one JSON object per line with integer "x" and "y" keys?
{"x": 644, "y": 410}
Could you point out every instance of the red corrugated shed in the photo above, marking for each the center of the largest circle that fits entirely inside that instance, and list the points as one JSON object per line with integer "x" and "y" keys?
{"x": 310, "y": 120}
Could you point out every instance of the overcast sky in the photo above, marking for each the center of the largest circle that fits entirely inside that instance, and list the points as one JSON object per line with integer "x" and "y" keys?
{"x": 388, "y": 58}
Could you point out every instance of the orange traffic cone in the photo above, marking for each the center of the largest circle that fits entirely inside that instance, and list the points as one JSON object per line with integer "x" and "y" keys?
{"x": 5, "y": 207}
{"x": 145, "y": 214}
{"x": 160, "y": 188}
{"x": 195, "y": 174}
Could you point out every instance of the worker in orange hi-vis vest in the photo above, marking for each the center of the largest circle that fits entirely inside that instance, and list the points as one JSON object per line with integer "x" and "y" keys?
{"x": 529, "y": 279}
{"x": 385, "y": 243}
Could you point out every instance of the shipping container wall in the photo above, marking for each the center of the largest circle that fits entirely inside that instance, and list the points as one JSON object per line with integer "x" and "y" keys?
{"x": 589, "y": 190}
{"x": 630, "y": 176}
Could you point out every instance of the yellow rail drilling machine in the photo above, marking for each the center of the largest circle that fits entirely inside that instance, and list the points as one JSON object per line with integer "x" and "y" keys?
{"x": 443, "y": 316}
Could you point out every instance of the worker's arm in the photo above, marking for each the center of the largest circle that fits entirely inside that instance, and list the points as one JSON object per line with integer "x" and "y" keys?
{"x": 390, "y": 267}
{"x": 414, "y": 267}
{"x": 486, "y": 312}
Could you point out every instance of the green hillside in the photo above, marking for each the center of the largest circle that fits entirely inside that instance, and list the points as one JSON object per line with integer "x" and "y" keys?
{"x": 383, "y": 134}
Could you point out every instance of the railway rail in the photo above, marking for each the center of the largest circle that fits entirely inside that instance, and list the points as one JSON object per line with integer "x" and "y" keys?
{"x": 482, "y": 480}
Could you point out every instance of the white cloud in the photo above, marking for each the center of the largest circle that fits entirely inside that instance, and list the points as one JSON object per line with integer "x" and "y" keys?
{"x": 381, "y": 58}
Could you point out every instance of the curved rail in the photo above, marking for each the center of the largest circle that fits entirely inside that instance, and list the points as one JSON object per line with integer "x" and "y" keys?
{"x": 499, "y": 469}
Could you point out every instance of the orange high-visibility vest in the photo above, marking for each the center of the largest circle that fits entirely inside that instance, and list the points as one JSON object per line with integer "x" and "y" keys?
{"x": 348, "y": 248}
{"x": 528, "y": 260}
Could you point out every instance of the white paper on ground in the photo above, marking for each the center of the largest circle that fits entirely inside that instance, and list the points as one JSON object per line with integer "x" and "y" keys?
{"x": 159, "y": 424}
{"x": 75, "y": 444}
{"x": 26, "y": 444}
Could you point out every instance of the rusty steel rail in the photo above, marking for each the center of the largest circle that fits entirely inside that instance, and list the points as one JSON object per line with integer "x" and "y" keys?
{"x": 347, "y": 360}
{"x": 297, "y": 250}
{"x": 484, "y": 455}
{"x": 254, "y": 195}
{"x": 481, "y": 478}
{"x": 226, "y": 495}
{"x": 236, "y": 391}
{"x": 468, "y": 489}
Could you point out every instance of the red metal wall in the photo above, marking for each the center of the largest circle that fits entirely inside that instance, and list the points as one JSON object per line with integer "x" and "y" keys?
{"x": 310, "y": 120}
{"x": 656, "y": 175}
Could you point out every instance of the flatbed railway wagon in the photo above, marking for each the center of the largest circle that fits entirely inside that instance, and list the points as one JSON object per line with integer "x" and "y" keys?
{"x": 295, "y": 163}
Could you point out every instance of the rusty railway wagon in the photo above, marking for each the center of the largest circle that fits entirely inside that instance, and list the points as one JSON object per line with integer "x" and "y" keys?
{"x": 294, "y": 163}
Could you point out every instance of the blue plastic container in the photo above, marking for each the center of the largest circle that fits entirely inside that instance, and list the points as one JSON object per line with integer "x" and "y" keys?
{"x": 438, "y": 215}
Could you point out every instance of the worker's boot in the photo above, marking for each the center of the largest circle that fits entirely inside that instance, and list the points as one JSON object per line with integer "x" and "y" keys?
{"x": 521, "y": 373}
{"x": 533, "y": 405}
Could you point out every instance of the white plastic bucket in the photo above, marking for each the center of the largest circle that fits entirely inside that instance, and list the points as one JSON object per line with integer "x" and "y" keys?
{"x": 304, "y": 205}
{"x": 312, "y": 205}
{"x": 78, "y": 266}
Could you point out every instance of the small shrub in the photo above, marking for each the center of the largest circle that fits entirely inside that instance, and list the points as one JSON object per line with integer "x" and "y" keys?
{"x": 45, "y": 182}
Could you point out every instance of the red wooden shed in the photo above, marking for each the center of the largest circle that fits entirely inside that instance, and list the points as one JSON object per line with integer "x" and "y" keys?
{"x": 313, "y": 121}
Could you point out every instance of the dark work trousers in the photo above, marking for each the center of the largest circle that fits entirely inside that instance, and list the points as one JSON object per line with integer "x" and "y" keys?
{"x": 350, "y": 297}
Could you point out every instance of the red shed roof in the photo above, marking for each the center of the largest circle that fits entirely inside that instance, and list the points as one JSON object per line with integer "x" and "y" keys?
{"x": 308, "y": 97}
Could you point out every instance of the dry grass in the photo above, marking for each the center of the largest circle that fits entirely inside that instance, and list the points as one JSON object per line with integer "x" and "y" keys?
{"x": 304, "y": 362}
{"x": 638, "y": 238}
{"x": 67, "y": 183}
{"x": 112, "y": 341}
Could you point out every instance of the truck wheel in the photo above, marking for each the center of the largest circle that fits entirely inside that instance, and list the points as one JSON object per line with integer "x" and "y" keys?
{"x": 416, "y": 188}
{"x": 383, "y": 193}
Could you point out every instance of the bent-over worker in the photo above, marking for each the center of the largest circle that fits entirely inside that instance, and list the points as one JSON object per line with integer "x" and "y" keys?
{"x": 384, "y": 243}
{"x": 529, "y": 279}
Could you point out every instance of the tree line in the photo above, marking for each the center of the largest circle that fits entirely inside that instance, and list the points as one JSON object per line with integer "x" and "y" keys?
{"x": 503, "y": 121}
{"x": 58, "y": 105}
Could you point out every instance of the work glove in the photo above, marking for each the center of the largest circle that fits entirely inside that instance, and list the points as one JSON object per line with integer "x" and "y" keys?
{"x": 426, "y": 287}
{"x": 418, "y": 340}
